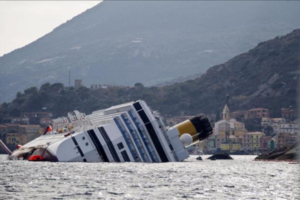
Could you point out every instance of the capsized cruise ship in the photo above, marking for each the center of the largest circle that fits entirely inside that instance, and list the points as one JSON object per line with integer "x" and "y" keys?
{"x": 129, "y": 132}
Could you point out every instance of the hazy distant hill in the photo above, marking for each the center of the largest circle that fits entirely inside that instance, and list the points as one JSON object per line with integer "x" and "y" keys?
{"x": 124, "y": 42}
{"x": 266, "y": 76}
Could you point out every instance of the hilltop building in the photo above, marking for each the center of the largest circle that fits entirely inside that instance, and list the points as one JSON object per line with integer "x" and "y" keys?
{"x": 16, "y": 120}
{"x": 15, "y": 139}
{"x": 285, "y": 139}
{"x": 35, "y": 117}
{"x": 19, "y": 134}
{"x": 98, "y": 86}
{"x": 290, "y": 127}
{"x": 254, "y": 113}
{"x": 257, "y": 113}
{"x": 228, "y": 132}
{"x": 251, "y": 140}
{"x": 272, "y": 121}
{"x": 289, "y": 113}
{"x": 229, "y": 126}
{"x": 30, "y": 131}
{"x": 78, "y": 83}
{"x": 231, "y": 146}
{"x": 240, "y": 114}
{"x": 3, "y": 128}
{"x": 281, "y": 125}
{"x": 264, "y": 143}
{"x": 46, "y": 121}
{"x": 10, "y": 128}
{"x": 231, "y": 135}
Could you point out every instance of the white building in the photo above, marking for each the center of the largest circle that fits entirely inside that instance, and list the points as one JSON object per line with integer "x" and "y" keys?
{"x": 290, "y": 127}
{"x": 280, "y": 125}
{"x": 272, "y": 121}
{"x": 228, "y": 124}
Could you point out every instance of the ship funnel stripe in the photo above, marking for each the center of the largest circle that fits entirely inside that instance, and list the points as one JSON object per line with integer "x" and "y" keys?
{"x": 202, "y": 125}
{"x": 197, "y": 123}
{"x": 98, "y": 145}
{"x": 109, "y": 144}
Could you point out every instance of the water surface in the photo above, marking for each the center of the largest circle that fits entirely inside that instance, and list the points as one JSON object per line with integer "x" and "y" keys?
{"x": 241, "y": 178}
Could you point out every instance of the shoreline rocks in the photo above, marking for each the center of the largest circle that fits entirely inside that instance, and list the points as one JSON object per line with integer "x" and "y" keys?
{"x": 287, "y": 153}
{"x": 220, "y": 156}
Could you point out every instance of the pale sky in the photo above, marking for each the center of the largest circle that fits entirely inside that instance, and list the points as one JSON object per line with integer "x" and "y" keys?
{"x": 22, "y": 22}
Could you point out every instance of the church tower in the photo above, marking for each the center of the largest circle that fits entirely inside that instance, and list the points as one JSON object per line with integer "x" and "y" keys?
{"x": 226, "y": 111}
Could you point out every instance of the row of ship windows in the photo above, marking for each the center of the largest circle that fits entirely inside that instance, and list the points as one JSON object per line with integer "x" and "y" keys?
{"x": 132, "y": 130}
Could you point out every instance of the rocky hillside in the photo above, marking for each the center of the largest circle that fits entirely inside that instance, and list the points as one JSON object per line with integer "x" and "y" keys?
{"x": 125, "y": 42}
{"x": 266, "y": 76}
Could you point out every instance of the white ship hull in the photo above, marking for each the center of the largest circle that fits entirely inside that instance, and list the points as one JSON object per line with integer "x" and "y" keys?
{"x": 125, "y": 133}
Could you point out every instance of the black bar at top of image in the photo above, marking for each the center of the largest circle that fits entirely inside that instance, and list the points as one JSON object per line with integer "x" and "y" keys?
{"x": 109, "y": 144}
{"x": 98, "y": 145}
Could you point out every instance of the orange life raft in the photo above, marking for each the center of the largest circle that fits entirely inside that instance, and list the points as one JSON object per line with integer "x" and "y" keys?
{"x": 35, "y": 158}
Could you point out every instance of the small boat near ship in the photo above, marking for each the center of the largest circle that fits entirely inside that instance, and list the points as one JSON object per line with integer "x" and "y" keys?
{"x": 129, "y": 132}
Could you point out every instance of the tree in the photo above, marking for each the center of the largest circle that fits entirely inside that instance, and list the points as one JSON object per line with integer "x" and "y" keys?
{"x": 19, "y": 94}
{"x": 45, "y": 87}
{"x": 269, "y": 130}
{"x": 15, "y": 112}
{"x": 139, "y": 85}
{"x": 31, "y": 90}
{"x": 56, "y": 87}
{"x": 1, "y": 117}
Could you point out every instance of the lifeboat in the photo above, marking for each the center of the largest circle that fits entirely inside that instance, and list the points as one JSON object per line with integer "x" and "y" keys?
{"x": 35, "y": 158}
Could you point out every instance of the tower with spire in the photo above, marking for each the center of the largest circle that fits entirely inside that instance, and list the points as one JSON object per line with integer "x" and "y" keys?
{"x": 226, "y": 110}
{"x": 228, "y": 132}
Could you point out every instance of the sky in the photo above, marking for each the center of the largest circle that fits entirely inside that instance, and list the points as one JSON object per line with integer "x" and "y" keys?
{"x": 22, "y": 22}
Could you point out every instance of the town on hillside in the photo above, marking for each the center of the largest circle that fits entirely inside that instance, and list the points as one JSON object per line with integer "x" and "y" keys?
{"x": 24, "y": 128}
{"x": 252, "y": 131}
{"x": 240, "y": 132}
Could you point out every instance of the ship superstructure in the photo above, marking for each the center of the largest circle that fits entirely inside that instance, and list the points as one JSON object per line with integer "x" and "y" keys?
{"x": 129, "y": 132}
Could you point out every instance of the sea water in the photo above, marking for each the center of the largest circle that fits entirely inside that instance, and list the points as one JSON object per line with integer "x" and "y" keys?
{"x": 241, "y": 178}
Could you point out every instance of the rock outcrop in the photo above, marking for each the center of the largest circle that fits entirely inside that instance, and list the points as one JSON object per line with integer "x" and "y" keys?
{"x": 220, "y": 156}
{"x": 287, "y": 153}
